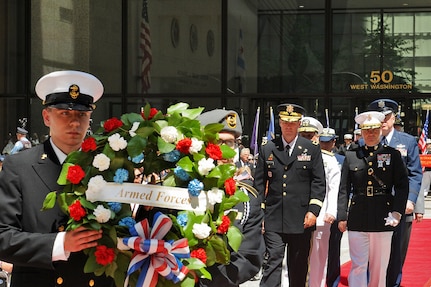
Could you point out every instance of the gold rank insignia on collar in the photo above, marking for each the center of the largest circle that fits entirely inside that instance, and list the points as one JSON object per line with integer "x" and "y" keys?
{"x": 44, "y": 156}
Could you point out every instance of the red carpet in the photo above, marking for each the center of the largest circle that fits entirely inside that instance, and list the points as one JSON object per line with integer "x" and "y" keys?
{"x": 417, "y": 268}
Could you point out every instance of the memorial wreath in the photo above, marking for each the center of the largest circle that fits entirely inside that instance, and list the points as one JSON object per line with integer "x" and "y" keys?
{"x": 175, "y": 248}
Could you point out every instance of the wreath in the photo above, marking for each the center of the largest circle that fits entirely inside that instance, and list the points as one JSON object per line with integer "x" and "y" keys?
{"x": 176, "y": 248}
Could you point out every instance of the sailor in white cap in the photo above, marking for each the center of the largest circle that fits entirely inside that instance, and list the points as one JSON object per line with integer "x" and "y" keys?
{"x": 328, "y": 213}
{"x": 43, "y": 253}
{"x": 22, "y": 141}
{"x": 375, "y": 175}
{"x": 310, "y": 128}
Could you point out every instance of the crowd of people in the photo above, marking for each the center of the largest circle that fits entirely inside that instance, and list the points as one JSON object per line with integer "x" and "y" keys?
{"x": 304, "y": 193}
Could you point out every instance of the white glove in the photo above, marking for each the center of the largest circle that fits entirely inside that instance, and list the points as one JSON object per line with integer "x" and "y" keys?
{"x": 393, "y": 219}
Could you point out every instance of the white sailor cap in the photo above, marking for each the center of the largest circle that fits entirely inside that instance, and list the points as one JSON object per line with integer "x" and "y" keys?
{"x": 69, "y": 90}
{"x": 370, "y": 120}
{"x": 309, "y": 124}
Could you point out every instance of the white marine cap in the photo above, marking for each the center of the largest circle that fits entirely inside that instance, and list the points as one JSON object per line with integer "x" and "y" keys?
{"x": 370, "y": 120}
{"x": 309, "y": 124}
{"x": 348, "y": 136}
{"x": 69, "y": 90}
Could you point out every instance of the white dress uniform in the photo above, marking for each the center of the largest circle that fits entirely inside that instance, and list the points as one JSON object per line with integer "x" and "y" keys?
{"x": 319, "y": 251}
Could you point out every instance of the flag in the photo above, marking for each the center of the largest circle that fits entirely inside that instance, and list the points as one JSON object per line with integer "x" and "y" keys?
{"x": 240, "y": 64}
{"x": 254, "y": 135}
{"x": 271, "y": 130}
{"x": 356, "y": 113}
{"x": 423, "y": 138}
{"x": 145, "y": 48}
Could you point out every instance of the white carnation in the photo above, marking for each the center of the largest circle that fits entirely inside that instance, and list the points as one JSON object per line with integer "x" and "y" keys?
{"x": 117, "y": 142}
{"x": 132, "y": 131}
{"x": 101, "y": 162}
{"x": 215, "y": 195}
{"x": 169, "y": 134}
{"x": 102, "y": 214}
{"x": 96, "y": 183}
{"x": 205, "y": 166}
{"x": 201, "y": 230}
{"x": 196, "y": 145}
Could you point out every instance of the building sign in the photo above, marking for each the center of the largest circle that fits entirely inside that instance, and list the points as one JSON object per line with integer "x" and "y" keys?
{"x": 381, "y": 81}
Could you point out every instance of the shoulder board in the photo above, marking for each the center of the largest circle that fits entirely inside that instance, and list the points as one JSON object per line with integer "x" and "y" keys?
{"x": 327, "y": 152}
{"x": 315, "y": 142}
{"x": 248, "y": 187}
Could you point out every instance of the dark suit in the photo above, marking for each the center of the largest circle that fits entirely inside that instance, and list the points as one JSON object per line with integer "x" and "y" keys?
{"x": 27, "y": 234}
{"x": 295, "y": 185}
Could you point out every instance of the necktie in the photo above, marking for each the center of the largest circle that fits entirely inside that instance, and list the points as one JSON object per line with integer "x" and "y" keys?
{"x": 288, "y": 150}
{"x": 384, "y": 140}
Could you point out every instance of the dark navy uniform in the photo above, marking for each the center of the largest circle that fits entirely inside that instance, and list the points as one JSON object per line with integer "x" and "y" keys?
{"x": 245, "y": 263}
{"x": 291, "y": 186}
{"x": 372, "y": 196}
{"x": 378, "y": 180}
{"x": 27, "y": 238}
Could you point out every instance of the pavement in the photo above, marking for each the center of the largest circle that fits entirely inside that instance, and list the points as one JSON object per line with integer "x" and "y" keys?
{"x": 345, "y": 257}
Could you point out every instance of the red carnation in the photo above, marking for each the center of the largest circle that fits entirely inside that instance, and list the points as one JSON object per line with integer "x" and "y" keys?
{"x": 75, "y": 174}
{"x": 230, "y": 186}
{"x": 214, "y": 151}
{"x": 104, "y": 255}
{"x": 153, "y": 112}
{"x": 184, "y": 145}
{"x": 112, "y": 124}
{"x": 224, "y": 226}
{"x": 199, "y": 254}
{"x": 76, "y": 211}
{"x": 89, "y": 144}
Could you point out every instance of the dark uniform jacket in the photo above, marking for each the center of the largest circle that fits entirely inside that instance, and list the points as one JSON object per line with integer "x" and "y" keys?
{"x": 27, "y": 234}
{"x": 247, "y": 261}
{"x": 377, "y": 177}
{"x": 295, "y": 185}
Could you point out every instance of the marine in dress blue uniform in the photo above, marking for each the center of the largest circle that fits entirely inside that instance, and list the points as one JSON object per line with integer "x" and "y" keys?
{"x": 247, "y": 261}
{"x": 377, "y": 177}
{"x": 407, "y": 146}
{"x": 32, "y": 239}
{"x": 292, "y": 185}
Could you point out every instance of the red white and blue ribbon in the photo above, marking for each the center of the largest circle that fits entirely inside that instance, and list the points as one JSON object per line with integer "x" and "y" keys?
{"x": 153, "y": 255}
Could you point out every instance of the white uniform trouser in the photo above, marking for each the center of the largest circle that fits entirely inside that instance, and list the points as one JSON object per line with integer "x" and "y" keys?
{"x": 426, "y": 182}
{"x": 319, "y": 256}
{"x": 369, "y": 251}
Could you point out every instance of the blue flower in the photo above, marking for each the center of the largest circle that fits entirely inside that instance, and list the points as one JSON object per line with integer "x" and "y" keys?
{"x": 182, "y": 219}
{"x": 195, "y": 187}
{"x": 172, "y": 156}
{"x": 181, "y": 173}
{"x": 127, "y": 221}
{"x": 137, "y": 159}
{"x": 115, "y": 206}
{"x": 121, "y": 175}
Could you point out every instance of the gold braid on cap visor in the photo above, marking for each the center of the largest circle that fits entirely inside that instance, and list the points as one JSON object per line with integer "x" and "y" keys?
{"x": 371, "y": 126}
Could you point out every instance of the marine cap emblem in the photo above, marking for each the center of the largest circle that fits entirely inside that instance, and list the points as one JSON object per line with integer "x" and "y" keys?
{"x": 381, "y": 104}
{"x": 306, "y": 123}
{"x": 74, "y": 91}
{"x": 231, "y": 121}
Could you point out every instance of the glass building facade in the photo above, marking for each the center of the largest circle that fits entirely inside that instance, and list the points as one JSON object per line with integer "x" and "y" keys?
{"x": 331, "y": 56}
